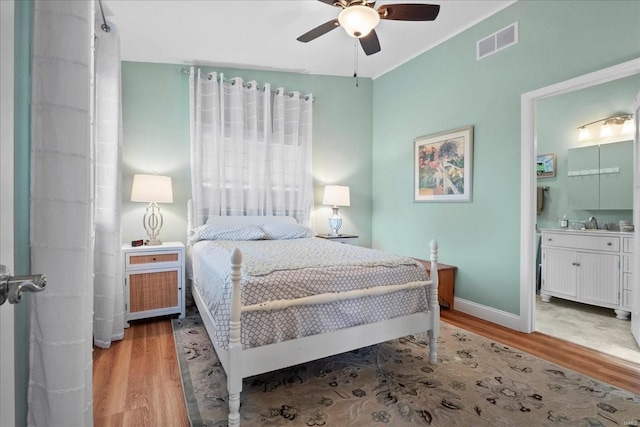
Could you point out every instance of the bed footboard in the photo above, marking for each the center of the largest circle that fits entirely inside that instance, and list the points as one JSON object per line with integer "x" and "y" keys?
{"x": 235, "y": 352}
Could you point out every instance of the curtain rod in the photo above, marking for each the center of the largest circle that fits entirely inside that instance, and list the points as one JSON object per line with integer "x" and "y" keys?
{"x": 105, "y": 27}
{"x": 247, "y": 85}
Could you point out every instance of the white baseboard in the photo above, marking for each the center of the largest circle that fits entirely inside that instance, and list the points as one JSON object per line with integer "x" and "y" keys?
{"x": 490, "y": 314}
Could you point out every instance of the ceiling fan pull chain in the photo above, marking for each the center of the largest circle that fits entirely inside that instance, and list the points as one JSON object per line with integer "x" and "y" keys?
{"x": 355, "y": 65}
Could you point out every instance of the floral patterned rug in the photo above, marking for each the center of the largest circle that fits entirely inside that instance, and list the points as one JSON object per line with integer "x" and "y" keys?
{"x": 477, "y": 382}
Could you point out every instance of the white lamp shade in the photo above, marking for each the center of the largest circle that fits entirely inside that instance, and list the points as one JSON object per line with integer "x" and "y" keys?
{"x": 358, "y": 21}
{"x": 152, "y": 188}
{"x": 336, "y": 195}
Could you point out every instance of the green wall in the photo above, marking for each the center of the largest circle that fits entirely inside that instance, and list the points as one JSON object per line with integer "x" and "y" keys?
{"x": 22, "y": 159}
{"x": 156, "y": 138}
{"x": 557, "y": 120}
{"x": 446, "y": 88}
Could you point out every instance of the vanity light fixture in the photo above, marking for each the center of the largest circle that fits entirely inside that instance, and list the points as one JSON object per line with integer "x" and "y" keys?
{"x": 606, "y": 130}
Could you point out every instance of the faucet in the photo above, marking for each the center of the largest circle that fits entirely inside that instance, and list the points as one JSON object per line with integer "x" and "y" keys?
{"x": 593, "y": 223}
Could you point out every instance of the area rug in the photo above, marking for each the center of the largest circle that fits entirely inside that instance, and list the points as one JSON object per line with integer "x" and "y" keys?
{"x": 477, "y": 382}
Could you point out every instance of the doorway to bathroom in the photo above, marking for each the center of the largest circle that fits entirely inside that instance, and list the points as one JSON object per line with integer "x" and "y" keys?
{"x": 531, "y": 141}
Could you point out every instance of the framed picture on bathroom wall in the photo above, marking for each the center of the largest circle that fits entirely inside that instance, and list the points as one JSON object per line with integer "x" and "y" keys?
{"x": 546, "y": 165}
{"x": 443, "y": 166}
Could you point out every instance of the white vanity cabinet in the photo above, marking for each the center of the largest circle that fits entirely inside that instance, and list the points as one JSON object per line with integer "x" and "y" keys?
{"x": 627, "y": 268}
{"x": 588, "y": 267}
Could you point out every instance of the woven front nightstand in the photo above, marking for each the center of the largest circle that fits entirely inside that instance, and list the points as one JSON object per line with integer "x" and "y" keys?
{"x": 154, "y": 280}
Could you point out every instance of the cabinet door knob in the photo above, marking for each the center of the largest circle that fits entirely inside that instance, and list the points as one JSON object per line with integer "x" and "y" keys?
{"x": 609, "y": 243}
{"x": 550, "y": 239}
{"x": 154, "y": 258}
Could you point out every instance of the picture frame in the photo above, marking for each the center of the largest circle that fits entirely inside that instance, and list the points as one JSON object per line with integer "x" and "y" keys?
{"x": 546, "y": 165}
{"x": 443, "y": 166}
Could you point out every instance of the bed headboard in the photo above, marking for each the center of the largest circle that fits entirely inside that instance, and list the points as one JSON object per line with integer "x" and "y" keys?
{"x": 251, "y": 220}
{"x": 238, "y": 220}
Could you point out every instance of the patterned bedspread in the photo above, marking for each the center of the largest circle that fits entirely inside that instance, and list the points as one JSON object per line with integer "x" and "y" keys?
{"x": 288, "y": 269}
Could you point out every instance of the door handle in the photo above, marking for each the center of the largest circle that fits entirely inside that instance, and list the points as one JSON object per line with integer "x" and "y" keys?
{"x": 11, "y": 287}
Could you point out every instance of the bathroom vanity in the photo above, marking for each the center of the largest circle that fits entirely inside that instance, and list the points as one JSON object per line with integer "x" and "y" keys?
{"x": 588, "y": 266}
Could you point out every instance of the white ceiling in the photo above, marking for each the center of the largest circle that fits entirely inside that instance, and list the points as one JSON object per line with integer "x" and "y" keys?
{"x": 262, "y": 34}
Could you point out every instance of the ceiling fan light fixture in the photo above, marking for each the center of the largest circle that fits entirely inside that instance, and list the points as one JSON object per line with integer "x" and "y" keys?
{"x": 358, "y": 21}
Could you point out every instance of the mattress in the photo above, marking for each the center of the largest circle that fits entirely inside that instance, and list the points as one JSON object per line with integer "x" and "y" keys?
{"x": 295, "y": 268}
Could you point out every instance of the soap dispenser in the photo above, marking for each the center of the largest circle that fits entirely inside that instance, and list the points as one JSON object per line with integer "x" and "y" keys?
{"x": 564, "y": 222}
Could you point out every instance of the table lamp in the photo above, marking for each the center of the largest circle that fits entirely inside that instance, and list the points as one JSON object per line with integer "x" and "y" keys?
{"x": 335, "y": 195}
{"x": 152, "y": 189}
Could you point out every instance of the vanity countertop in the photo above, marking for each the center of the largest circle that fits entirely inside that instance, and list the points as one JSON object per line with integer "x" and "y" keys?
{"x": 590, "y": 231}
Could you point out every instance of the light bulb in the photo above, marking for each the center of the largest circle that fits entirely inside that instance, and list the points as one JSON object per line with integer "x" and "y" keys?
{"x": 628, "y": 126}
{"x": 605, "y": 131}
{"x": 584, "y": 134}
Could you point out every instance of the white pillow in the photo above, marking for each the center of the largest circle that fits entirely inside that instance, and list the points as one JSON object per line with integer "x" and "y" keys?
{"x": 275, "y": 231}
{"x": 226, "y": 232}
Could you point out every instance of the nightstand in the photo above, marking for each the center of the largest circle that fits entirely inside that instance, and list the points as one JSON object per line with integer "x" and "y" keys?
{"x": 153, "y": 280}
{"x": 446, "y": 281}
{"x": 349, "y": 239}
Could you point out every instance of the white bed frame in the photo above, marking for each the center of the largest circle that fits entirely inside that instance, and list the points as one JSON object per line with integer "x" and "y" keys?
{"x": 240, "y": 363}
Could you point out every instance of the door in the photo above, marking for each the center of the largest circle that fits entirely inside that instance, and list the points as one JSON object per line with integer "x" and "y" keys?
{"x": 599, "y": 278}
{"x": 584, "y": 177}
{"x": 635, "y": 274}
{"x": 559, "y": 272}
{"x": 7, "y": 378}
{"x": 616, "y": 176}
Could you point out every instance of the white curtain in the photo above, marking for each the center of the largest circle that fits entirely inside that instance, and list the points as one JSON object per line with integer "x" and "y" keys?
{"x": 108, "y": 316}
{"x": 60, "y": 362}
{"x": 250, "y": 149}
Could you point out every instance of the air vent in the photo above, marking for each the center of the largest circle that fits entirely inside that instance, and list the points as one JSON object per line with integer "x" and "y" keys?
{"x": 497, "y": 41}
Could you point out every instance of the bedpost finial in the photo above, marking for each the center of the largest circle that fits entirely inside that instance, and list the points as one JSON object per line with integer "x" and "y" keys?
{"x": 236, "y": 256}
{"x": 434, "y": 250}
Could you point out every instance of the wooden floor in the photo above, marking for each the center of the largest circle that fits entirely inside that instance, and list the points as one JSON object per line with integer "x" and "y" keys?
{"x": 137, "y": 381}
{"x": 600, "y": 366}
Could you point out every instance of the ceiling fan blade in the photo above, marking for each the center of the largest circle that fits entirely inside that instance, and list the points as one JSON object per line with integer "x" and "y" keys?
{"x": 370, "y": 43}
{"x": 409, "y": 12}
{"x": 330, "y": 2}
{"x": 319, "y": 30}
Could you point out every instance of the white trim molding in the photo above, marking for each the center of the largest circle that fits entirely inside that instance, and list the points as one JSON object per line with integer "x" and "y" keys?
{"x": 490, "y": 314}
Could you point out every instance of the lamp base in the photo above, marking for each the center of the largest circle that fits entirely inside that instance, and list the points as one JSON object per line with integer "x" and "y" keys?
{"x": 152, "y": 222}
{"x": 335, "y": 222}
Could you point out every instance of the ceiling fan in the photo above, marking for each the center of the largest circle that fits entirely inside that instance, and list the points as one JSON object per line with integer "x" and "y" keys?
{"x": 359, "y": 19}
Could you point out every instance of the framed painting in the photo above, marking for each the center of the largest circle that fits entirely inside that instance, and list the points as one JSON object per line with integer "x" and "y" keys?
{"x": 546, "y": 165}
{"x": 443, "y": 166}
